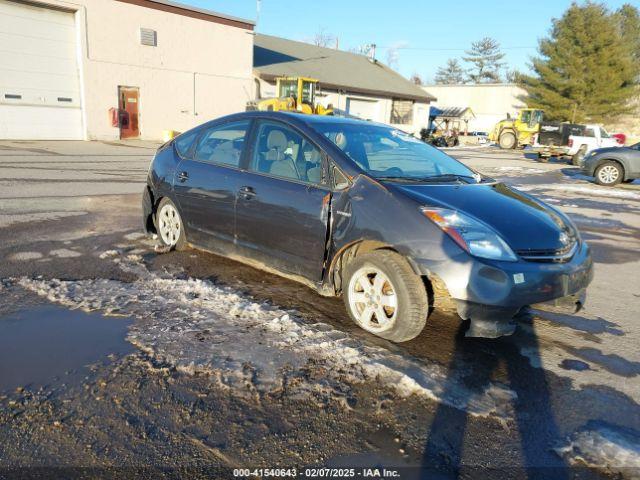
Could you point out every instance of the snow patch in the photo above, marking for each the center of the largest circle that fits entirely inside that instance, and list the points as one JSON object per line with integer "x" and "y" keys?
{"x": 64, "y": 253}
{"x": 24, "y": 256}
{"x": 519, "y": 170}
{"x": 610, "y": 192}
{"x": 134, "y": 236}
{"x": 607, "y": 448}
{"x": 256, "y": 348}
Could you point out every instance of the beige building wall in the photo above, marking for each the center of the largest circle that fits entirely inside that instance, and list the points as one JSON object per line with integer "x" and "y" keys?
{"x": 490, "y": 102}
{"x": 199, "y": 69}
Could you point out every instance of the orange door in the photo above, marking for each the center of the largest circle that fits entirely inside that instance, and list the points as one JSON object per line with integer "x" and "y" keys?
{"x": 129, "y": 110}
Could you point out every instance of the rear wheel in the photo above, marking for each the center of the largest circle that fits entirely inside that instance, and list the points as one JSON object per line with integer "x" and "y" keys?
{"x": 609, "y": 173}
{"x": 169, "y": 225}
{"x": 385, "y": 297}
{"x": 507, "y": 140}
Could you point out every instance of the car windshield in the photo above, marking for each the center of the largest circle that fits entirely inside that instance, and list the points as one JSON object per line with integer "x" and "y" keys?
{"x": 389, "y": 154}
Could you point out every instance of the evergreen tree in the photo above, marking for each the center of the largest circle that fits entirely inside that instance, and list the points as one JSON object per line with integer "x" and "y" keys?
{"x": 451, "y": 73}
{"x": 485, "y": 56}
{"x": 584, "y": 71}
{"x": 628, "y": 18}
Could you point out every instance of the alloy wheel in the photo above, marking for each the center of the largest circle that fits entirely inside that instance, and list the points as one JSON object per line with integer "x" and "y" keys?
{"x": 608, "y": 174}
{"x": 372, "y": 299}
{"x": 169, "y": 225}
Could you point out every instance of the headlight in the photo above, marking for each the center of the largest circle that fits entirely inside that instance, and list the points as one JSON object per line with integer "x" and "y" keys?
{"x": 472, "y": 236}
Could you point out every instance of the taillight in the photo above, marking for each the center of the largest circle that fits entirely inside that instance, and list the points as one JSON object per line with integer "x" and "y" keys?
{"x": 570, "y": 142}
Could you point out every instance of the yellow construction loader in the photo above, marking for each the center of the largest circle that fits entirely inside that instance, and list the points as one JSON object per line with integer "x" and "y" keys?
{"x": 295, "y": 94}
{"x": 518, "y": 132}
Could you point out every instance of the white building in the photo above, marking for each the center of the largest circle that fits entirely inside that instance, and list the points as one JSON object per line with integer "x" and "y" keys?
{"x": 66, "y": 68}
{"x": 490, "y": 102}
{"x": 349, "y": 82}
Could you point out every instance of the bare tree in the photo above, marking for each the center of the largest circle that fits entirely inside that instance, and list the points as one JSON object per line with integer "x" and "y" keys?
{"x": 323, "y": 39}
{"x": 416, "y": 78}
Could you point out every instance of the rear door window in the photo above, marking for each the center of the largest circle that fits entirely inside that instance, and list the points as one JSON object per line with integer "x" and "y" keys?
{"x": 223, "y": 144}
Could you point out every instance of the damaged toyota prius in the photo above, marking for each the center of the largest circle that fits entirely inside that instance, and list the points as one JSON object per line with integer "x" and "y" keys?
{"x": 364, "y": 211}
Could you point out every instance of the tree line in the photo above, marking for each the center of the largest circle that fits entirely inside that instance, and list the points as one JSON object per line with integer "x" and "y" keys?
{"x": 587, "y": 68}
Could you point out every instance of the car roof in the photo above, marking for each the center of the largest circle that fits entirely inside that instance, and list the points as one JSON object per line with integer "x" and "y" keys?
{"x": 302, "y": 118}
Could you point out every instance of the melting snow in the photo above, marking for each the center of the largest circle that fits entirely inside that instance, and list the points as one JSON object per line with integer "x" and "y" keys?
{"x": 257, "y": 348}
{"x": 605, "y": 447}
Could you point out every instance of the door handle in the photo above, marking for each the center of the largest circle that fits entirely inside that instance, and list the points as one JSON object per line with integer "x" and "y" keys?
{"x": 182, "y": 176}
{"x": 247, "y": 192}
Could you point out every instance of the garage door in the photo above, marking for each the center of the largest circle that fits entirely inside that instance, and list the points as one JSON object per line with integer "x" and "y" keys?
{"x": 365, "y": 109}
{"x": 39, "y": 86}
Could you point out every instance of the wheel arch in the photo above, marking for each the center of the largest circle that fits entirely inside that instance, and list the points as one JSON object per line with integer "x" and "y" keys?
{"x": 614, "y": 160}
{"x": 348, "y": 252}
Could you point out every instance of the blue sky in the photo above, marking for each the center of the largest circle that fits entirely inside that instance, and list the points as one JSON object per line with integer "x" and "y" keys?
{"x": 429, "y": 31}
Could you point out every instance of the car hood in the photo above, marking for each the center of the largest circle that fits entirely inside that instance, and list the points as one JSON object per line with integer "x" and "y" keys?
{"x": 522, "y": 221}
{"x": 609, "y": 150}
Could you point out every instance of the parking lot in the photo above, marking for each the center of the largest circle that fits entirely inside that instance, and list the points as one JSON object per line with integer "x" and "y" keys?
{"x": 195, "y": 361}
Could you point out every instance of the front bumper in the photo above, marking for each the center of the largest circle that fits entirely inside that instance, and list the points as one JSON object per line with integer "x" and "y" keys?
{"x": 512, "y": 285}
{"x": 588, "y": 166}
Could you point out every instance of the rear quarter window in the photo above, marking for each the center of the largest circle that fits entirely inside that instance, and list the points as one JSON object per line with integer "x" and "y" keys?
{"x": 184, "y": 142}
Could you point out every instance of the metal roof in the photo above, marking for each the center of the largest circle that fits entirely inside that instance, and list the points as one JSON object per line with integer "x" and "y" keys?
{"x": 192, "y": 11}
{"x": 450, "y": 112}
{"x": 274, "y": 57}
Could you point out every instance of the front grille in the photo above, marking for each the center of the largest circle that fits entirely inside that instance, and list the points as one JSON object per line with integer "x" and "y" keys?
{"x": 560, "y": 255}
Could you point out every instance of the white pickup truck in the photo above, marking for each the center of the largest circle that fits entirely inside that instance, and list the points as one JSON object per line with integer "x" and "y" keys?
{"x": 594, "y": 137}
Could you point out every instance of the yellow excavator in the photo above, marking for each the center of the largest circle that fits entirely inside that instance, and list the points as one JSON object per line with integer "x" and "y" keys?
{"x": 514, "y": 133}
{"x": 295, "y": 94}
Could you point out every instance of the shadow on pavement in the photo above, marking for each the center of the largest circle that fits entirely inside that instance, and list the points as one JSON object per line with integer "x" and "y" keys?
{"x": 534, "y": 416}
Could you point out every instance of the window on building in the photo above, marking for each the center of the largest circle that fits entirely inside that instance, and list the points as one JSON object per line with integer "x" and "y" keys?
{"x": 402, "y": 112}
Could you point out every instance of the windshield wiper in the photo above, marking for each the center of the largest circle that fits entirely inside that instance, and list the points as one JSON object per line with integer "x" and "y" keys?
{"x": 401, "y": 179}
{"x": 453, "y": 176}
{"x": 445, "y": 177}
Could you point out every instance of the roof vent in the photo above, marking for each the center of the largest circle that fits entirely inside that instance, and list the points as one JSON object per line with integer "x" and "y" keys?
{"x": 148, "y": 37}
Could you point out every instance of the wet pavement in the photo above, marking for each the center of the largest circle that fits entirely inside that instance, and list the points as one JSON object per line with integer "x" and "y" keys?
{"x": 45, "y": 345}
{"x": 191, "y": 361}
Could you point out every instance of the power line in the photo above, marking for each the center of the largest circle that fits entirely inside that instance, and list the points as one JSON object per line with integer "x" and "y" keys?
{"x": 428, "y": 49}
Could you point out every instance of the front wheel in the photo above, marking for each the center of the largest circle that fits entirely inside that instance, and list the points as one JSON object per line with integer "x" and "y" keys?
{"x": 385, "y": 297}
{"x": 609, "y": 174}
{"x": 169, "y": 225}
{"x": 507, "y": 140}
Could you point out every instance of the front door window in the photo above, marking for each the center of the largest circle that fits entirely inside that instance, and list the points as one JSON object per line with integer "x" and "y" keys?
{"x": 282, "y": 152}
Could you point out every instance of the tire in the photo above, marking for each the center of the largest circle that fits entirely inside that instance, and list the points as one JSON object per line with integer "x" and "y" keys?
{"x": 577, "y": 158}
{"x": 398, "y": 295}
{"x": 169, "y": 225}
{"x": 609, "y": 173}
{"x": 507, "y": 140}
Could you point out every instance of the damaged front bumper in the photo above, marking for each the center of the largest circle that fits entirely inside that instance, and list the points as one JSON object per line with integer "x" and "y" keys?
{"x": 491, "y": 294}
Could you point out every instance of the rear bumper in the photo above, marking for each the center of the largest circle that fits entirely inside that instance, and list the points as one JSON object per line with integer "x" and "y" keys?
{"x": 509, "y": 286}
{"x": 147, "y": 211}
